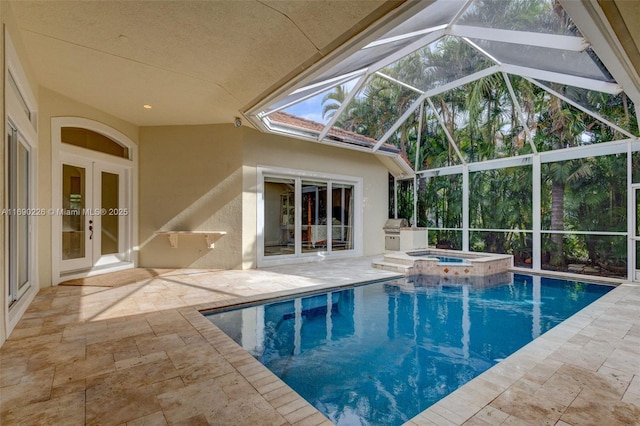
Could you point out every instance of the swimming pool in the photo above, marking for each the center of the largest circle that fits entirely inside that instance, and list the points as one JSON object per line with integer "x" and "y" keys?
{"x": 381, "y": 353}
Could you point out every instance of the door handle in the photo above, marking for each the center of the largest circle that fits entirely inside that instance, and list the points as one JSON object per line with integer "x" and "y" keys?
{"x": 90, "y": 229}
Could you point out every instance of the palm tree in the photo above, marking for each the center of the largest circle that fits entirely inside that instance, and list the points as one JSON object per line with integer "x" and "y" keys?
{"x": 333, "y": 100}
{"x": 560, "y": 126}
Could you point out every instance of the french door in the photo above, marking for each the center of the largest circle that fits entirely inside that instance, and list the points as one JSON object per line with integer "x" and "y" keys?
{"x": 93, "y": 214}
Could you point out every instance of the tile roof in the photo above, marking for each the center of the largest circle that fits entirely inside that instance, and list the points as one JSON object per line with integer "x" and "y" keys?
{"x": 335, "y": 134}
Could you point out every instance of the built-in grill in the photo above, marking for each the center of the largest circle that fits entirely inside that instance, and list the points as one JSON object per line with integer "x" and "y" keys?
{"x": 392, "y": 233}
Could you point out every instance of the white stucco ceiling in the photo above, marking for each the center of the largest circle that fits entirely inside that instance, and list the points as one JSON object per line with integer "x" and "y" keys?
{"x": 194, "y": 62}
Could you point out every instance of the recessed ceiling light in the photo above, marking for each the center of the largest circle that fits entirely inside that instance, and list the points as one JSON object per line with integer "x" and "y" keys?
{"x": 147, "y": 106}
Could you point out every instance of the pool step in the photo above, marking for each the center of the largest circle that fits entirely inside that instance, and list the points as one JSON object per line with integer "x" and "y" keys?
{"x": 399, "y": 259}
{"x": 393, "y": 267}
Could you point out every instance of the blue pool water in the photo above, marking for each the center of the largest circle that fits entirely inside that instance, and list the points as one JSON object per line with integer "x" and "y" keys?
{"x": 441, "y": 259}
{"x": 381, "y": 353}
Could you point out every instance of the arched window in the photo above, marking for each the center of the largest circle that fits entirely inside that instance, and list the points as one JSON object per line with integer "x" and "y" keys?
{"x": 85, "y": 138}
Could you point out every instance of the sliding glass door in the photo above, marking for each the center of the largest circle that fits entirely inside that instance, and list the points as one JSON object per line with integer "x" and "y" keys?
{"x": 303, "y": 217}
{"x": 18, "y": 215}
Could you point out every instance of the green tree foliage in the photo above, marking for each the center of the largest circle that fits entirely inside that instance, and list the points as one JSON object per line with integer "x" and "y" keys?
{"x": 481, "y": 119}
{"x": 501, "y": 199}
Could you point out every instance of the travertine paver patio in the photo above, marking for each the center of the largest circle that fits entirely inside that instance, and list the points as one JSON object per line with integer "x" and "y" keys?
{"x": 142, "y": 354}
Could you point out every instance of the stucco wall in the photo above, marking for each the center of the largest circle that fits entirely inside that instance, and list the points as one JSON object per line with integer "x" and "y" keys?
{"x": 190, "y": 179}
{"x": 204, "y": 178}
{"x": 277, "y": 151}
{"x": 53, "y": 104}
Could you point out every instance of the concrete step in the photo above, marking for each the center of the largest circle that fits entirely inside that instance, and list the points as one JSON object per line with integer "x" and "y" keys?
{"x": 393, "y": 267}
{"x": 399, "y": 259}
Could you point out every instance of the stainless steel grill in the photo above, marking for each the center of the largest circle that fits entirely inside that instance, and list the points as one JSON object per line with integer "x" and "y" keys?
{"x": 392, "y": 233}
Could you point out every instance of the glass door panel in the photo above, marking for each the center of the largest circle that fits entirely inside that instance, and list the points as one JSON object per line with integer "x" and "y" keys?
{"x": 314, "y": 216}
{"x": 74, "y": 208}
{"x": 110, "y": 205}
{"x": 109, "y": 215}
{"x": 341, "y": 217}
{"x": 279, "y": 216}
{"x": 22, "y": 198}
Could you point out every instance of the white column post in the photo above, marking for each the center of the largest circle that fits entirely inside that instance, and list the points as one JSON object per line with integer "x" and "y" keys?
{"x": 465, "y": 207}
{"x": 395, "y": 197}
{"x": 535, "y": 213}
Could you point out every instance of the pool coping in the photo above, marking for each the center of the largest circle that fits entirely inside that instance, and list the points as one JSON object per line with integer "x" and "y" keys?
{"x": 293, "y": 407}
{"x": 470, "y": 400}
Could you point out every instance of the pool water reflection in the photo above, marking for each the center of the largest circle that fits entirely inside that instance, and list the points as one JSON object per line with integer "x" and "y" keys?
{"x": 381, "y": 353}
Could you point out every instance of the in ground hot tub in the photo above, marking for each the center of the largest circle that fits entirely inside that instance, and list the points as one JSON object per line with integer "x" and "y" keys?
{"x": 446, "y": 263}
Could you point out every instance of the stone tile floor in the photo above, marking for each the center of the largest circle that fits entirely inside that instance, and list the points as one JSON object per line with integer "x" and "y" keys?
{"x": 142, "y": 354}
